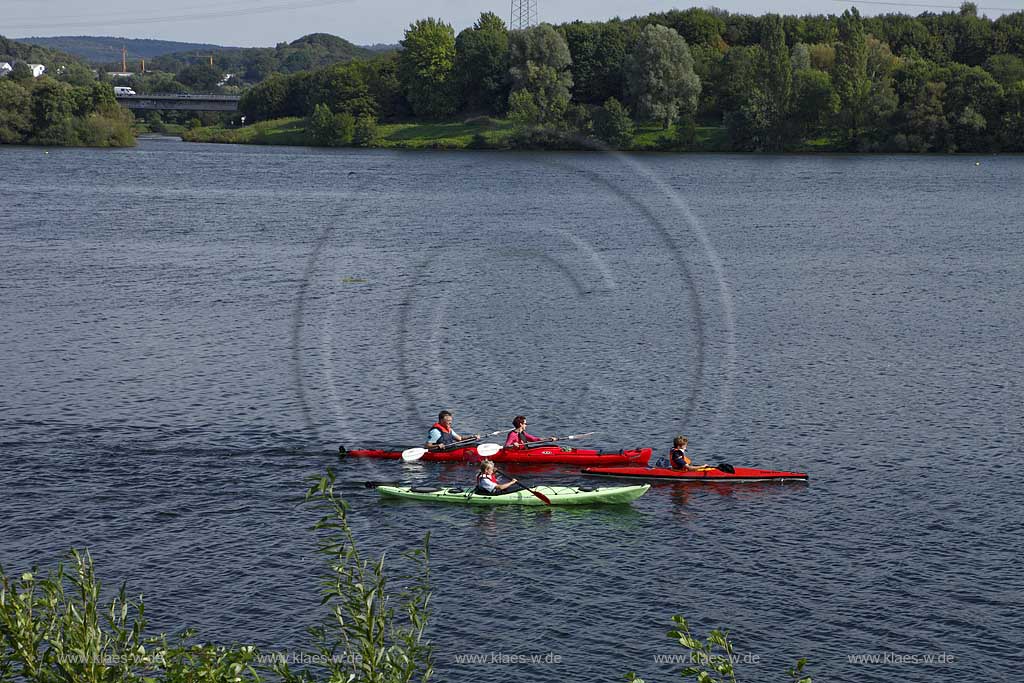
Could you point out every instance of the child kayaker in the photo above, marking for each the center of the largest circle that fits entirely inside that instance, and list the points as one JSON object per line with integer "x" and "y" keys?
{"x": 441, "y": 434}
{"x": 677, "y": 456}
{"x": 519, "y": 437}
{"x": 487, "y": 482}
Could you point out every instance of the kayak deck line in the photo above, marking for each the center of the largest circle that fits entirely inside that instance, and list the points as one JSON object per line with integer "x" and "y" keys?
{"x": 558, "y": 495}
{"x": 740, "y": 474}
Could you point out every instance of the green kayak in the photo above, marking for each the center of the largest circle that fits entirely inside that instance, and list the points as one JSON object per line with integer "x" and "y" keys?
{"x": 558, "y": 495}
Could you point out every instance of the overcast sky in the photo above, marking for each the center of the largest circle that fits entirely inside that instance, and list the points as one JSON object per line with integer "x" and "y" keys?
{"x": 268, "y": 22}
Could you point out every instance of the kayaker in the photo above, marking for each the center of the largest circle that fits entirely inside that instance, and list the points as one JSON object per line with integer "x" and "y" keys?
{"x": 487, "y": 481}
{"x": 519, "y": 437}
{"x": 677, "y": 456}
{"x": 442, "y": 435}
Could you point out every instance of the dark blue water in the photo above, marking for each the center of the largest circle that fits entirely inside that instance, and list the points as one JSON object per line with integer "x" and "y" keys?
{"x": 188, "y": 332}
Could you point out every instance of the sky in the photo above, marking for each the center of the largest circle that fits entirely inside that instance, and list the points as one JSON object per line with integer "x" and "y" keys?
{"x": 268, "y": 22}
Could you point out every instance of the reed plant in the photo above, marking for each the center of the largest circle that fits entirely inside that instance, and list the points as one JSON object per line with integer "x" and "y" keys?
{"x": 712, "y": 660}
{"x": 58, "y": 629}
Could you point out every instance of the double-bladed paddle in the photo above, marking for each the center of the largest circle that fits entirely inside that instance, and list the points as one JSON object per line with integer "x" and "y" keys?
{"x": 571, "y": 437}
{"x": 485, "y": 450}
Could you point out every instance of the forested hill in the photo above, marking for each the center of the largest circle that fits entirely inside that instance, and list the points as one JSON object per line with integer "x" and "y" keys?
{"x": 12, "y": 50}
{"x": 254, "y": 64}
{"x": 107, "y": 49}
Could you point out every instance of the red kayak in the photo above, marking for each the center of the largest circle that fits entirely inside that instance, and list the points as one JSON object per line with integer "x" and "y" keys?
{"x": 543, "y": 455}
{"x": 709, "y": 475}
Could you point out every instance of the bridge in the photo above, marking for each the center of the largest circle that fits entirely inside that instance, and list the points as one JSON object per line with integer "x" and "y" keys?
{"x": 180, "y": 102}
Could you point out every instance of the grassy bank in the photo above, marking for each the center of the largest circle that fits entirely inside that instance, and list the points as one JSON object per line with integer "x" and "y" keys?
{"x": 475, "y": 133}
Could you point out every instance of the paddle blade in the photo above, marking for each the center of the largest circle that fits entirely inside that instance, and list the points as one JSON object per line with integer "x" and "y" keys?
{"x": 580, "y": 436}
{"x": 486, "y": 450}
{"x": 727, "y": 468}
{"x": 547, "y": 501}
{"x": 412, "y": 454}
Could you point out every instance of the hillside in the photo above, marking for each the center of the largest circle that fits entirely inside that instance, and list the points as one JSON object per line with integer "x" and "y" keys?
{"x": 17, "y": 51}
{"x": 253, "y": 64}
{"x": 107, "y": 50}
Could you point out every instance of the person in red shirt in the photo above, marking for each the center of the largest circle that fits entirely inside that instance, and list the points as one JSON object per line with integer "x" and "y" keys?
{"x": 519, "y": 437}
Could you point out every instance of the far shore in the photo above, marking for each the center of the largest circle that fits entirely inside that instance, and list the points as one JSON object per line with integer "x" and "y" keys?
{"x": 473, "y": 133}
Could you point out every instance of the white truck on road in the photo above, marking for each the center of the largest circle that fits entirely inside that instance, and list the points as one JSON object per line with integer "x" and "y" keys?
{"x": 122, "y": 90}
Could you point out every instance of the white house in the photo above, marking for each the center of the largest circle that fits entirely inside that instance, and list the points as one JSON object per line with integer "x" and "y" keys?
{"x": 5, "y": 68}
{"x": 37, "y": 70}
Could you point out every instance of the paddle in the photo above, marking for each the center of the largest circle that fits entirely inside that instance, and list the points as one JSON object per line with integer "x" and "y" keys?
{"x": 485, "y": 450}
{"x": 571, "y": 437}
{"x": 547, "y": 501}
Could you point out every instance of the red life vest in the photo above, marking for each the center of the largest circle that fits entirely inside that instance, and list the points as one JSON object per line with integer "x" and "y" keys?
{"x": 446, "y": 434}
{"x": 673, "y": 458}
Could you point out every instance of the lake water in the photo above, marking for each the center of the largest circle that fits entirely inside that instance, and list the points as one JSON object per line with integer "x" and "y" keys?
{"x": 188, "y": 332}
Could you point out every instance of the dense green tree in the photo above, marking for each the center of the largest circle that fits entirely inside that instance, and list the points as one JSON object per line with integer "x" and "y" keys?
{"x": 814, "y": 101}
{"x": 76, "y": 74}
{"x": 200, "y": 77}
{"x": 823, "y": 56}
{"x": 15, "y": 112}
{"x": 1006, "y": 69}
{"x": 20, "y": 73}
{"x": 612, "y": 124}
{"x": 381, "y": 77}
{"x": 972, "y": 87}
{"x": 539, "y": 46}
{"x": 426, "y": 68}
{"x": 738, "y": 77}
{"x": 660, "y": 77}
{"x": 696, "y": 25}
{"x": 52, "y": 110}
{"x": 364, "y": 134}
{"x": 329, "y": 129}
{"x": 343, "y": 88}
{"x": 159, "y": 83}
{"x": 775, "y": 80}
{"x": 926, "y": 128}
{"x": 260, "y": 67}
{"x": 598, "y": 53}
{"x": 543, "y": 100}
{"x": 800, "y": 57}
{"x": 850, "y": 77}
{"x": 481, "y": 65}
{"x": 1010, "y": 133}
{"x": 539, "y": 66}
{"x": 267, "y": 100}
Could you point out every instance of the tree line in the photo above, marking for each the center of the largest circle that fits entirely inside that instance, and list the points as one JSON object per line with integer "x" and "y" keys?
{"x": 46, "y": 111}
{"x": 935, "y": 82}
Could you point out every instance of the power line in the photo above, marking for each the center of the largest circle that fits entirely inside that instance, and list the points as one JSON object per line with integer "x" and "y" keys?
{"x": 264, "y": 9}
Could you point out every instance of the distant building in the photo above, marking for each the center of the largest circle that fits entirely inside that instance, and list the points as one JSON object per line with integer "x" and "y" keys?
{"x": 224, "y": 81}
{"x": 37, "y": 70}
{"x": 120, "y": 74}
{"x": 5, "y": 68}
